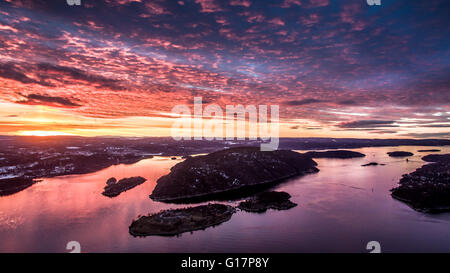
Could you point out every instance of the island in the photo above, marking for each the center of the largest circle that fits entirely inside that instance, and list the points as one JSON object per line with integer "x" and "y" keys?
{"x": 268, "y": 200}
{"x": 436, "y": 158}
{"x": 176, "y": 221}
{"x": 428, "y": 188}
{"x": 230, "y": 171}
{"x": 399, "y": 154}
{"x": 113, "y": 187}
{"x": 431, "y": 150}
{"x": 335, "y": 154}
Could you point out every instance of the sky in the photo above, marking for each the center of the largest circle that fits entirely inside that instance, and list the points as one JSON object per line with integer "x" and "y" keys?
{"x": 336, "y": 68}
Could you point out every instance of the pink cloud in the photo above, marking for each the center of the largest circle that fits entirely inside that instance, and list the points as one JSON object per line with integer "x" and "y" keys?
{"x": 208, "y": 6}
{"x": 318, "y": 3}
{"x": 244, "y": 3}
{"x": 276, "y": 21}
{"x": 290, "y": 3}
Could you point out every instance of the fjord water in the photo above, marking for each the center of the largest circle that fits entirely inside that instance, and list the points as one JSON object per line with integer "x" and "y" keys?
{"x": 340, "y": 209}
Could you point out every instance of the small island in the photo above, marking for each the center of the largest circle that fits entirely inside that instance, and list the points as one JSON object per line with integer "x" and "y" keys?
{"x": 13, "y": 185}
{"x": 436, "y": 158}
{"x": 400, "y": 154}
{"x": 113, "y": 187}
{"x": 231, "y": 172}
{"x": 431, "y": 150}
{"x": 176, "y": 221}
{"x": 335, "y": 154}
{"x": 268, "y": 200}
{"x": 428, "y": 188}
{"x": 371, "y": 164}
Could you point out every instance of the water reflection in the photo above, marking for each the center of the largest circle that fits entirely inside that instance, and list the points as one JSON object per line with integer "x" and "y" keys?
{"x": 341, "y": 208}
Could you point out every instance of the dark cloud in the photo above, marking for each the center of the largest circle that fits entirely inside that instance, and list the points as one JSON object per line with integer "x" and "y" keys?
{"x": 367, "y": 124}
{"x": 34, "y": 99}
{"x": 302, "y": 102}
{"x": 428, "y": 135}
{"x": 14, "y": 72}
{"x": 384, "y": 132}
{"x": 46, "y": 72}
{"x": 77, "y": 74}
{"x": 313, "y": 128}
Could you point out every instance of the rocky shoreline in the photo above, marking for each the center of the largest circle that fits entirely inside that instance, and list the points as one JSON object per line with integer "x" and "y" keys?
{"x": 176, "y": 221}
{"x": 428, "y": 188}
{"x": 173, "y": 222}
{"x": 229, "y": 171}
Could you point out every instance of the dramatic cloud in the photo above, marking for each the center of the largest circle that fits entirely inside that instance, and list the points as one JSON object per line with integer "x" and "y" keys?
{"x": 302, "y": 102}
{"x": 342, "y": 66}
{"x": 36, "y": 99}
{"x": 47, "y": 70}
{"x": 13, "y": 72}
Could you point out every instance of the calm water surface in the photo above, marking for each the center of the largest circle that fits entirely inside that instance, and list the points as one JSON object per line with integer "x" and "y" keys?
{"x": 340, "y": 209}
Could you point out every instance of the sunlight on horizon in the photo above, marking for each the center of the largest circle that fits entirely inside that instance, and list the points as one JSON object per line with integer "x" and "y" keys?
{"x": 44, "y": 133}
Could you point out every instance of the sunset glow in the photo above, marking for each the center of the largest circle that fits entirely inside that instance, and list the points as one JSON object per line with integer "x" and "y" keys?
{"x": 43, "y": 133}
{"x": 335, "y": 68}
